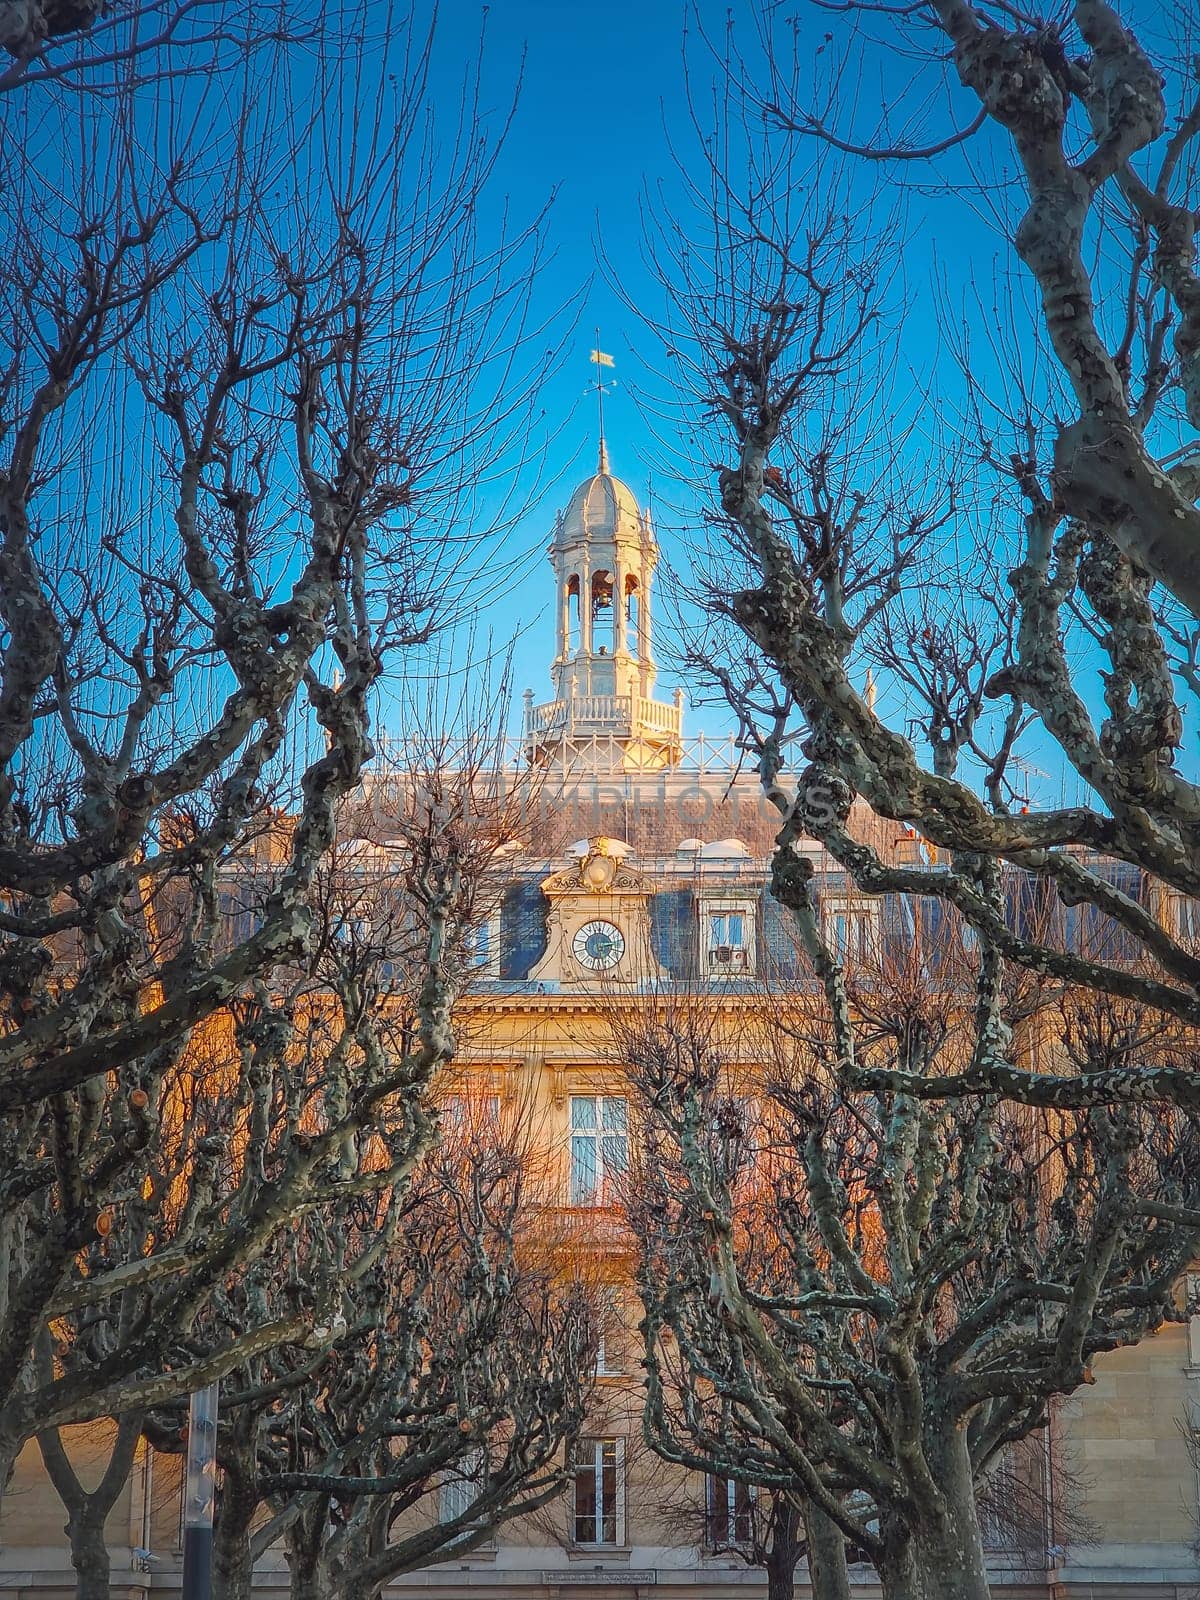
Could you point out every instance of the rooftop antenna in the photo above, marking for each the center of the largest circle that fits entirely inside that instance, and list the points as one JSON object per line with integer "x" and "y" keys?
{"x": 1027, "y": 770}
{"x": 600, "y": 360}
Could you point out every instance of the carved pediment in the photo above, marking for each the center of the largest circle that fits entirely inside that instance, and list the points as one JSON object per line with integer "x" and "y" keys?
{"x": 600, "y": 871}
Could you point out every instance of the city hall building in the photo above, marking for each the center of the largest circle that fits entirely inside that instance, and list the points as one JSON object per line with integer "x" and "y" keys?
{"x": 641, "y": 870}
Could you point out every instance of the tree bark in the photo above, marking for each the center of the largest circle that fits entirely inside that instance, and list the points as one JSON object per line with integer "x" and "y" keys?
{"x": 781, "y": 1578}
{"x": 947, "y": 1545}
{"x": 233, "y": 1557}
{"x": 89, "y": 1554}
{"x": 828, "y": 1573}
{"x": 784, "y": 1549}
{"x": 897, "y": 1568}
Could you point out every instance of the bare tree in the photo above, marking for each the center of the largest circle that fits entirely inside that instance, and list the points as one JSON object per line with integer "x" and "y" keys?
{"x": 307, "y": 1095}
{"x": 448, "y": 1406}
{"x": 847, "y": 513}
{"x": 246, "y": 380}
{"x": 87, "y": 46}
{"x": 864, "y": 1299}
{"x": 298, "y": 1117}
{"x": 88, "y": 1509}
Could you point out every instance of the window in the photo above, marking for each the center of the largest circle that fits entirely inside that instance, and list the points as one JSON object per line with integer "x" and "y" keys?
{"x": 727, "y": 938}
{"x": 367, "y": 937}
{"x": 570, "y": 622}
{"x": 851, "y": 936}
{"x": 729, "y": 1512}
{"x": 633, "y": 634}
{"x": 1011, "y": 1498}
{"x": 599, "y": 1147}
{"x": 851, "y": 927}
{"x": 242, "y": 915}
{"x": 735, "y": 1125}
{"x": 1183, "y": 917}
{"x": 599, "y": 1506}
{"x": 612, "y": 1347}
{"x": 460, "y": 1486}
{"x": 481, "y": 948}
{"x": 460, "y": 1114}
{"x": 727, "y": 932}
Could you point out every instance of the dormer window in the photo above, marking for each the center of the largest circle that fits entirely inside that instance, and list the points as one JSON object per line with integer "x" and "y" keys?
{"x": 1183, "y": 917}
{"x": 851, "y": 925}
{"x": 481, "y": 947}
{"x": 727, "y": 938}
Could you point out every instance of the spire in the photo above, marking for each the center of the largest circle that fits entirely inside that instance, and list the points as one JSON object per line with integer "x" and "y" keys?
{"x": 600, "y": 360}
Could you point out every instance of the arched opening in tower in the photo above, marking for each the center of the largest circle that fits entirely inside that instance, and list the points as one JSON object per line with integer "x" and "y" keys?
{"x": 602, "y": 592}
{"x": 633, "y": 616}
{"x": 571, "y": 617}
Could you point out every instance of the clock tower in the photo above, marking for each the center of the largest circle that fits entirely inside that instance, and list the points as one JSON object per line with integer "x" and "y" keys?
{"x": 598, "y": 929}
{"x": 604, "y": 555}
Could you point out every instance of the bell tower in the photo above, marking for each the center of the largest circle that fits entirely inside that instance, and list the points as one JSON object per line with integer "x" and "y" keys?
{"x": 603, "y": 553}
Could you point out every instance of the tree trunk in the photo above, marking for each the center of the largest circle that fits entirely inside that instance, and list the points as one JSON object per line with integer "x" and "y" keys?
{"x": 947, "y": 1545}
{"x": 233, "y": 1557}
{"x": 783, "y": 1547}
{"x": 897, "y": 1567}
{"x": 311, "y": 1582}
{"x": 89, "y": 1554}
{"x": 828, "y": 1573}
{"x": 9, "y": 1451}
{"x": 305, "y": 1586}
{"x": 781, "y": 1579}
{"x": 308, "y": 1567}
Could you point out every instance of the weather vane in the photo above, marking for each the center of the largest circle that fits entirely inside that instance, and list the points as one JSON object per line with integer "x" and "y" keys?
{"x": 600, "y": 360}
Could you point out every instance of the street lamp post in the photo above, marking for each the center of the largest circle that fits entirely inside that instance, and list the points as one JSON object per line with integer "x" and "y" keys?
{"x": 199, "y": 1494}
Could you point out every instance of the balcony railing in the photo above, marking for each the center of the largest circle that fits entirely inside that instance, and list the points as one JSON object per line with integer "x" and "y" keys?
{"x": 598, "y": 749}
{"x": 620, "y": 714}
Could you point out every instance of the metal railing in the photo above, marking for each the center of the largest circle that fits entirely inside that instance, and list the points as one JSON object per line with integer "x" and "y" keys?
{"x": 593, "y": 751}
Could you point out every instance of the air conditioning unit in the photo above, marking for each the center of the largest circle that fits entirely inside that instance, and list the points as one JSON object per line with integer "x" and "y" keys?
{"x": 729, "y": 955}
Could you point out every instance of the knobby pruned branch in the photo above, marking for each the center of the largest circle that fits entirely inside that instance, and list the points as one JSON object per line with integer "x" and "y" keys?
{"x": 926, "y": 598}
{"x": 865, "y": 1299}
{"x": 236, "y": 436}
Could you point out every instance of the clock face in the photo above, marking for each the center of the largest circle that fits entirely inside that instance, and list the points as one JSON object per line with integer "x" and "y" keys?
{"x": 598, "y": 946}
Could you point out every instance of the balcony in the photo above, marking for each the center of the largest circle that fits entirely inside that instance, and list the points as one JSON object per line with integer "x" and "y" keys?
{"x": 622, "y": 716}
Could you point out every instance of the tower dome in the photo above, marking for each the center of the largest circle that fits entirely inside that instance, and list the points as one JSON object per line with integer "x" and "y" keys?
{"x": 602, "y": 507}
{"x": 604, "y": 554}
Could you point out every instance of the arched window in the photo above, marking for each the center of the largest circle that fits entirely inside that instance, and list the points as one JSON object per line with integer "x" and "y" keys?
{"x": 571, "y": 620}
{"x": 633, "y": 616}
{"x": 602, "y": 592}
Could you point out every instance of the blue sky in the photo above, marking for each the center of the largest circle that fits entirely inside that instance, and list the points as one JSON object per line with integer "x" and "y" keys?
{"x": 589, "y": 128}
{"x": 602, "y": 102}
{"x": 603, "y": 93}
